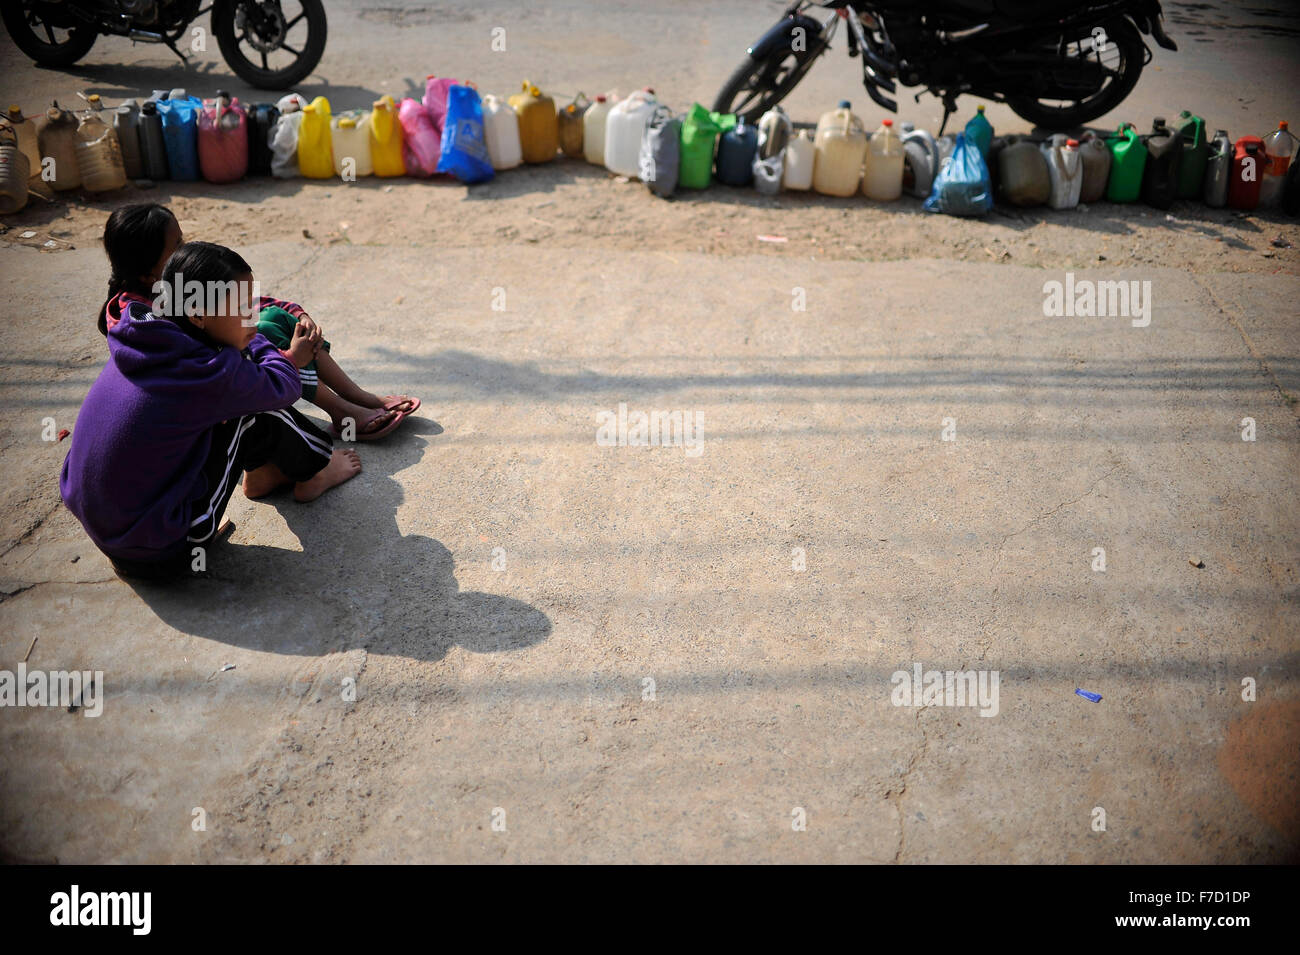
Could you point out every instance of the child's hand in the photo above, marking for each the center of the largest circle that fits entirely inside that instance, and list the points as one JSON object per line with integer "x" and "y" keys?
{"x": 301, "y": 350}
{"x": 314, "y": 331}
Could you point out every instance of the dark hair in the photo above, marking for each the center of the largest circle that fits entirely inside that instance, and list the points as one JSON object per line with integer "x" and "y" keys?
{"x": 203, "y": 262}
{"x": 134, "y": 237}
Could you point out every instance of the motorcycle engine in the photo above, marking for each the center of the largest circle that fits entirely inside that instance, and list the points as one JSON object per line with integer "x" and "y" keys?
{"x": 146, "y": 10}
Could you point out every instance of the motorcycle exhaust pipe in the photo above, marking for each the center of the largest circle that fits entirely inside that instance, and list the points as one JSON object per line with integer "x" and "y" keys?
{"x": 878, "y": 96}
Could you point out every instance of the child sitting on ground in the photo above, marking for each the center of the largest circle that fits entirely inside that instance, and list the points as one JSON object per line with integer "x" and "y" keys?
{"x": 139, "y": 239}
{"x": 186, "y": 403}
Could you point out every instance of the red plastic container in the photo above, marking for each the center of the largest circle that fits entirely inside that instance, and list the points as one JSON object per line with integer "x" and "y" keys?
{"x": 1247, "y": 174}
{"x": 223, "y": 140}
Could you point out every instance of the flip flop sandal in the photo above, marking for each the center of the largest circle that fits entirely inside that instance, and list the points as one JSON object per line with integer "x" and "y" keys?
{"x": 395, "y": 403}
{"x": 337, "y": 432}
{"x": 385, "y": 430}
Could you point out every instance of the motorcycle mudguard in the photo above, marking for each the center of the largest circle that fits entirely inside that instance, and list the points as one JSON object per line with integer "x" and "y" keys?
{"x": 781, "y": 36}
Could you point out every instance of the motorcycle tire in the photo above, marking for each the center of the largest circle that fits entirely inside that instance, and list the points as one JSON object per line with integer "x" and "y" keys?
{"x": 750, "y": 67}
{"x": 25, "y": 37}
{"x": 1129, "y": 43}
{"x": 223, "y": 27}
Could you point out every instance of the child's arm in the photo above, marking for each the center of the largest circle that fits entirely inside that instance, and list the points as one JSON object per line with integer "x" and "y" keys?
{"x": 264, "y": 382}
{"x": 294, "y": 309}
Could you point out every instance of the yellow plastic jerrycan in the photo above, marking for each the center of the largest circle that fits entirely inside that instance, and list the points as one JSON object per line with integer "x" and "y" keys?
{"x": 539, "y": 131}
{"x": 386, "y": 139}
{"x": 315, "y": 154}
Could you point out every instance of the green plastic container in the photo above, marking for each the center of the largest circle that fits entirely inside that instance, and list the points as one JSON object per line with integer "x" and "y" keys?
{"x": 700, "y": 131}
{"x": 1196, "y": 153}
{"x": 980, "y": 132}
{"x": 1128, "y": 157}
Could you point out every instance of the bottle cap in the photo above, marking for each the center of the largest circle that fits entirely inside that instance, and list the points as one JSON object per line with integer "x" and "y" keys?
{"x": 347, "y": 122}
{"x": 93, "y": 99}
{"x": 1281, "y": 124}
{"x": 1186, "y": 114}
{"x": 845, "y": 104}
{"x": 979, "y": 108}
{"x": 600, "y": 98}
{"x": 1072, "y": 143}
{"x": 534, "y": 91}
{"x": 889, "y": 122}
{"x": 223, "y": 94}
{"x": 1158, "y": 121}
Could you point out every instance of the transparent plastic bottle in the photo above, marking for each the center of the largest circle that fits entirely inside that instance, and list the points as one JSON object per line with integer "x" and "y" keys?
{"x": 593, "y": 129}
{"x": 25, "y": 130}
{"x": 800, "y": 155}
{"x": 882, "y": 176}
{"x": 350, "y": 139}
{"x": 14, "y": 171}
{"x": 1279, "y": 146}
{"x": 841, "y": 146}
{"x": 501, "y": 133}
{"x": 57, "y": 135}
{"x": 99, "y": 157}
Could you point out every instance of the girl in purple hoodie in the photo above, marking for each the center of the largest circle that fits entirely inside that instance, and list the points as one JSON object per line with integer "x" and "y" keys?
{"x": 189, "y": 401}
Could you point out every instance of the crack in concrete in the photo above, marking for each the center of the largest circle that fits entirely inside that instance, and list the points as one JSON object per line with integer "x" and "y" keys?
{"x": 1046, "y": 514}
{"x": 1291, "y": 402}
{"x": 896, "y": 798}
{"x": 985, "y": 643}
{"x": 31, "y": 530}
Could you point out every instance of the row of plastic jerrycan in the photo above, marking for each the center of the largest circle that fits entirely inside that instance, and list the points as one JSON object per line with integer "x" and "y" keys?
{"x": 638, "y": 137}
{"x": 412, "y": 138}
{"x": 1166, "y": 164}
{"x": 66, "y": 149}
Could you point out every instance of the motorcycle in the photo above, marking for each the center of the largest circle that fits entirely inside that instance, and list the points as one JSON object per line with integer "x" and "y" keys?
{"x": 60, "y": 32}
{"x": 1056, "y": 63}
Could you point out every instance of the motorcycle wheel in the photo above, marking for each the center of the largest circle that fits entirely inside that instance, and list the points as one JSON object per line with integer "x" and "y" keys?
{"x": 263, "y": 29}
{"x": 759, "y": 84}
{"x": 31, "y": 25}
{"x": 1128, "y": 57}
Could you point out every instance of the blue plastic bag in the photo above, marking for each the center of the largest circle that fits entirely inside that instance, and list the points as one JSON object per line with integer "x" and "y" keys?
{"x": 180, "y": 122}
{"x": 962, "y": 188}
{"x": 464, "y": 150}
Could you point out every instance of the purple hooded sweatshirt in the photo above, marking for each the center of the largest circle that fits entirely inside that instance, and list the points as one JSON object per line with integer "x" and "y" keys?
{"x": 134, "y": 469}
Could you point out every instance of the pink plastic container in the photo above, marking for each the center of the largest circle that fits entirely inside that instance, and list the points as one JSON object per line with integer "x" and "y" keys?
{"x": 421, "y": 143}
{"x": 435, "y": 99}
{"x": 223, "y": 139}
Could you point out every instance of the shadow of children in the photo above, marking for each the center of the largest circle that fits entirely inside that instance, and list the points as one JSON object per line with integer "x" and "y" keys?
{"x": 357, "y": 582}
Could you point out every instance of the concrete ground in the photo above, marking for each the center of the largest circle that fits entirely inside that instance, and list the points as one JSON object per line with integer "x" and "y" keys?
{"x": 569, "y": 652}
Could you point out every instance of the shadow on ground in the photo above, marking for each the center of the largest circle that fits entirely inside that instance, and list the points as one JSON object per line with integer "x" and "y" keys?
{"x": 358, "y": 581}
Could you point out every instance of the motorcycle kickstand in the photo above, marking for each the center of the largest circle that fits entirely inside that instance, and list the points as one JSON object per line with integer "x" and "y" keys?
{"x": 949, "y": 107}
{"x": 171, "y": 45}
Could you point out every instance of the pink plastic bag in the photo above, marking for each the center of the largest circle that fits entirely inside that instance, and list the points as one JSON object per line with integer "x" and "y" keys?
{"x": 223, "y": 141}
{"x": 421, "y": 144}
{"x": 435, "y": 99}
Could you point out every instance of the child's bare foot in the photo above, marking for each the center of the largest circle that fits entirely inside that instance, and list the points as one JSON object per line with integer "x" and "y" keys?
{"x": 344, "y": 465}
{"x": 263, "y": 481}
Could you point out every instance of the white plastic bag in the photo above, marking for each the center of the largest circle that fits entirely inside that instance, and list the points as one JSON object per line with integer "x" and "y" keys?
{"x": 283, "y": 137}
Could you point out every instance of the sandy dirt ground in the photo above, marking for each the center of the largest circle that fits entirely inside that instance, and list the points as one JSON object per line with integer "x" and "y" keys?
{"x": 569, "y": 652}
